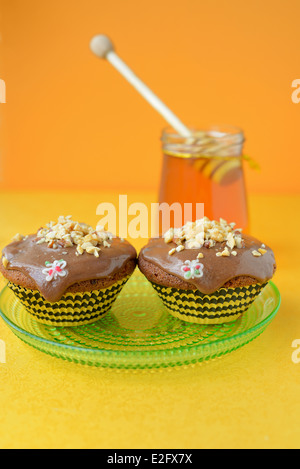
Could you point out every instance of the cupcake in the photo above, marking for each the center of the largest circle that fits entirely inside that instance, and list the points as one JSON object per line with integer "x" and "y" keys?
{"x": 207, "y": 272}
{"x": 68, "y": 273}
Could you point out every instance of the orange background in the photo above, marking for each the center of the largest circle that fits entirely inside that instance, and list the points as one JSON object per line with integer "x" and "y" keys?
{"x": 71, "y": 121}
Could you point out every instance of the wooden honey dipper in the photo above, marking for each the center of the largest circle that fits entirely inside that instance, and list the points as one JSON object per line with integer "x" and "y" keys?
{"x": 103, "y": 47}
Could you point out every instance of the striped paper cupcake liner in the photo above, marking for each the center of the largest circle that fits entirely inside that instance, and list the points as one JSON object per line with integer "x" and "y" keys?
{"x": 224, "y": 305}
{"x": 73, "y": 309}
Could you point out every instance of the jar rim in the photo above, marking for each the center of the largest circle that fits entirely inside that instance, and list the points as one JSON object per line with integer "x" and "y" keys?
{"x": 217, "y": 131}
{"x": 214, "y": 141}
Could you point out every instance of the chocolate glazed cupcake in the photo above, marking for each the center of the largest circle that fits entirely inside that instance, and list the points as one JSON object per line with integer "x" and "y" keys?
{"x": 207, "y": 272}
{"x": 68, "y": 273}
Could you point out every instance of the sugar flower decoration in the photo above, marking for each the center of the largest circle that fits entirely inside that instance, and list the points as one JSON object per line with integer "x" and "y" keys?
{"x": 192, "y": 269}
{"x": 54, "y": 270}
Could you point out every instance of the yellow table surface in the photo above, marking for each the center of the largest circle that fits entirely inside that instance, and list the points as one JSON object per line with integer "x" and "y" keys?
{"x": 247, "y": 399}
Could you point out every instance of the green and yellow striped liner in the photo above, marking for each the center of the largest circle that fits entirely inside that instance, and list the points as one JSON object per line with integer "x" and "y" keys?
{"x": 224, "y": 305}
{"x": 73, "y": 309}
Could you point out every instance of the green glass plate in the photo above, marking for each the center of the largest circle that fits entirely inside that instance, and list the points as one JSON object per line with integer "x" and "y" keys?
{"x": 138, "y": 333}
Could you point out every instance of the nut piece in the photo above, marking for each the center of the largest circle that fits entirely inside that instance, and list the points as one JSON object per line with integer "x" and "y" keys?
{"x": 169, "y": 235}
{"x": 171, "y": 252}
{"x": 193, "y": 245}
{"x": 256, "y": 253}
{"x": 200, "y": 255}
{"x": 262, "y": 251}
{"x": 230, "y": 241}
{"x": 239, "y": 242}
{"x": 18, "y": 237}
{"x": 180, "y": 248}
{"x": 225, "y": 253}
{"x": 4, "y": 262}
{"x": 93, "y": 250}
{"x": 79, "y": 250}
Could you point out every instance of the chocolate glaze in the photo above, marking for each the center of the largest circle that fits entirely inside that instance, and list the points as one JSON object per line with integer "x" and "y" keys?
{"x": 28, "y": 257}
{"x": 217, "y": 270}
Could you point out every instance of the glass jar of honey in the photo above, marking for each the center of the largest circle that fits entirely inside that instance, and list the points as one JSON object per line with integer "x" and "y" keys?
{"x": 206, "y": 168}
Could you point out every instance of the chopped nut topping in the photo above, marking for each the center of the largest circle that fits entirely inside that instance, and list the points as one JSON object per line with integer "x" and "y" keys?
{"x": 256, "y": 253}
{"x": 171, "y": 252}
{"x": 4, "y": 262}
{"x": 230, "y": 241}
{"x": 66, "y": 233}
{"x": 262, "y": 251}
{"x": 209, "y": 244}
{"x": 200, "y": 255}
{"x": 205, "y": 232}
{"x": 225, "y": 253}
{"x": 239, "y": 242}
{"x": 92, "y": 250}
{"x": 169, "y": 235}
{"x": 193, "y": 245}
{"x": 233, "y": 253}
{"x": 79, "y": 250}
{"x": 180, "y": 248}
{"x": 18, "y": 237}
